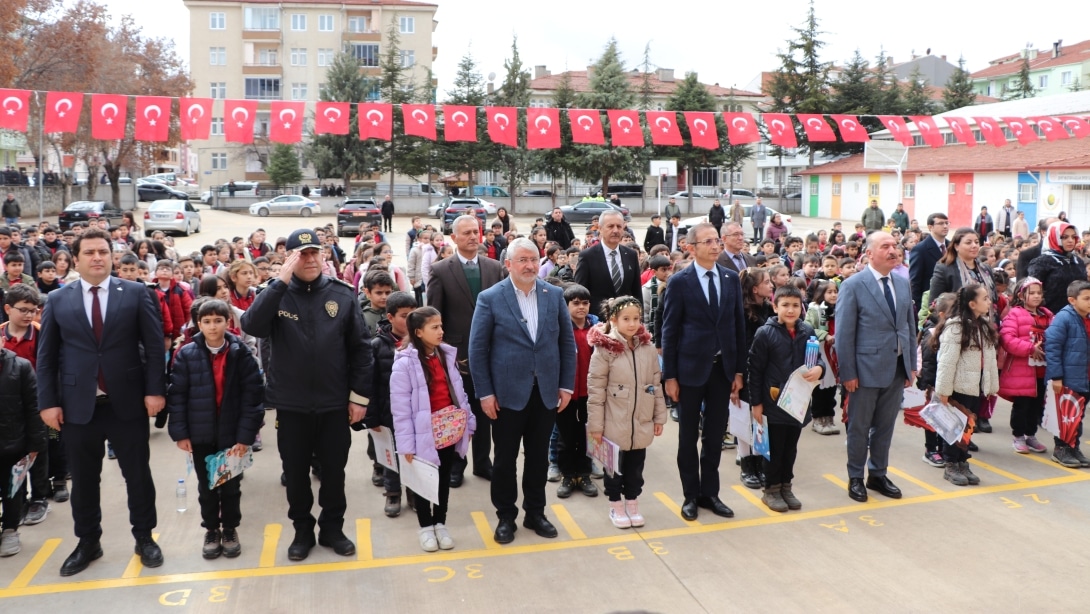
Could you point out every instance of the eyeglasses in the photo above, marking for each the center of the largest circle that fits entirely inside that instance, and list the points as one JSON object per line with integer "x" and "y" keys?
{"x": 709, "y": 242}
{"x": 735, "y": 234}
{"x": 524, "y": 261}
{"x": 25, "y": 311}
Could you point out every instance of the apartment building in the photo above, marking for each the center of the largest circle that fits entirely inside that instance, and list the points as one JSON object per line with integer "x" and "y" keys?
{"x": 280, "y": 50}
{"x": 1058, "y": 70}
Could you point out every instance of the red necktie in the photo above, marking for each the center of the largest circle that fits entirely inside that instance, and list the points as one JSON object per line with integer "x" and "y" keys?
{"x": 96, "y": 326}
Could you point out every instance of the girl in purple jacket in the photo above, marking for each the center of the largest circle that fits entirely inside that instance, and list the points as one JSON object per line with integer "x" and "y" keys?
{"x": 424, "y": 380}
{"x": 1021, "y": 376}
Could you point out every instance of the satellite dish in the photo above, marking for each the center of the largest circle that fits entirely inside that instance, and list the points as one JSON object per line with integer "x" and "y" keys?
{"x": 491, "y": 76}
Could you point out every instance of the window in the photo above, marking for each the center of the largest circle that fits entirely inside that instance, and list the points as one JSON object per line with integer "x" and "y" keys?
{"x": 408, "y": 58}
{"x": 357, "y": 24}
{"x": 298, "y": 56}
{"x": 953, "y": 188}
{"x": 217, "y": 21}
{"x": 408, "y": 25}
{"x": 262, "y": 89}
{"x": 298, "y": 22}
{"x": 219, "y": 161}
{"x": 366, "y": 54}
{"x": 706, "y": 177}
{"x": 766, "y": 176}
{"x": 1042, "y": 82}
{"x": 1027, "y": 192}
{"x": 968, "y": 189}
{"x": 298, "y": 91}
{"x": 325, "y": 57}
{"x": 217, "y": 126}
{"x": 217, "y": 56}
{"x": 910, "y": 190}
{"x": 732, "y": 108}
{"x": 325, "y": 23}
{"x": 374, "y": 93}
{"x": 874, "y": 189}
{"x": 813, "y": 189}
{"x": 267, "y": 57}
{"x": 1065, "y": 77}
{"x": 218, "y": 90}
{"x": 836, "y": 189}
{"x": 322, "y": 92}
{"x": 262, "y": 19}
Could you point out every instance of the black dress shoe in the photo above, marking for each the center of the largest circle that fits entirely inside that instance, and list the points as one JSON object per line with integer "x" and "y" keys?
{"x": 505, "y": 532}
{"x": 456, "y": 479}
{"x": 688, "y": 509}
{"x": 883, "y": 485}
{"x": 81, "y": 557}
{"x": 340, "y": 544}
{"x": 856, "y": 490}
{"x": 150, "y": 554}
{"x": 749, "y": 476}
{"x": 973, "y": 447}
{"x": 540, "y": 525}
{"x": 983, "y": 425}
{"x": 300, "y": 546}
{"x": 716, "y": 506}
{"x": 485, "y": 473}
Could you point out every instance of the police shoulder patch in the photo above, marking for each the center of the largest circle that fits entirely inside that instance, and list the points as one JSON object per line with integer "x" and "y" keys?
{"x": 331, "y": 308}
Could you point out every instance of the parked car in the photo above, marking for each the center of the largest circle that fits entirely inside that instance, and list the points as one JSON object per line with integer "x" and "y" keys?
{"x": 83, "y": 210}
{"x": 537, "y": 193}
{"x": 738, "y": 193}
{"x": 490, "y": 191}
{"x": 620, "y": 189}
{"x": 355, "y": 210}
{"x": 172, "y": 216}
{"x": 242, "y": 188}
{"x": 147, "y": 192}
{"x": 747, "y": 225}
{"x": 463, "y": 206}
{"x": 583, "y": 211}
{"x": 681, "y": 195}
{"x": 288, "y": 204}
{"x": 440, "y": 207}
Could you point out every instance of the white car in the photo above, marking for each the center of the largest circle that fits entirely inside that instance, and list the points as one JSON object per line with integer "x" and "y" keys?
{"x": 747, "y": 225}
{"x": 288, "y": 204}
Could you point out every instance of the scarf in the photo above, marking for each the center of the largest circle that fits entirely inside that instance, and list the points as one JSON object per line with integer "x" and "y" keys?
{"x": 967, "y": 276}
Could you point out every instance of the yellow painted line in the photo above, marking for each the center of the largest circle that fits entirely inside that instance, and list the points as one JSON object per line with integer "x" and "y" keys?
{"x": 268, "y": 547}
{"x": 748, "y": 495}
{"x": 675, "y": 508}
{"x": 35, "y": 565}
{"x": 835, "y": 480}
{"x": 485, "y": 529}
{"x": 1047, "y": 460}
{"x": 133, "y": 569}
{"x": 535, "y": 548}
{"x": 918, "y": 482}
{"x": 998, "y": 471}
{"x": 364, "y": 551}
{"x": 565, "y": 519}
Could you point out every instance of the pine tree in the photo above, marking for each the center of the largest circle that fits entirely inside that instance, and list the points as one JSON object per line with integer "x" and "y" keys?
{"x": 283, "y": 167}
{"x": 917, "y": 100}
{"x": 734, "y": 156}
{"x": 467, "y": 157}
{"x": 958, "y": 91}
{"x": 1075, "y": 86}
{"x": 801, "y": 85}
{"x": 857, "y": 92}
{"x": 408, "y": 155}
{"x": 692, "y": 95}
{"x": 559, "y": 162}
{"x": 1023, "y": 84}
{"x": 647, "y": 89}
{"x": 516, "y": 162}
{"x": 345, "y": 157}
{"x": 888, "y": 100}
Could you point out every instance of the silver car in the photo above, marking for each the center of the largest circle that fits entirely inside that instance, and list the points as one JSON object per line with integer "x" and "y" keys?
{"x": 288, "y": 204}
{"x": 178, "y": 216}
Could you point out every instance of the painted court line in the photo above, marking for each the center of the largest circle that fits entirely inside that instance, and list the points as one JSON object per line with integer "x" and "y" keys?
{"x": 485, "y": 529}
{"x": 565, "y": 519}
{"x": 754, "y": 499}
{"x": 998, "y": 471}
{"x": 135, "y": 567}
{"x": 364, "y": 550}
{"x": 675, "y": 508}
{"x": 918, "y": 482}
{"x": 35, "y": 565}
{"x": 1047, "y": 460}
{"x": 268, "y": 547}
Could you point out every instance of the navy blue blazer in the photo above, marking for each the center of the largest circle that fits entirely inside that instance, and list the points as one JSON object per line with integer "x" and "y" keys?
{"x": 69, "y": 358}
{"x": 921, "y": 266}
{"x": 690, "y": 328}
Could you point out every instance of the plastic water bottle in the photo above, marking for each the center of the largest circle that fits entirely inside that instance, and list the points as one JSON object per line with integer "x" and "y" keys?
{"x": 181, "y": 496}
{"x": 813, "y": 350}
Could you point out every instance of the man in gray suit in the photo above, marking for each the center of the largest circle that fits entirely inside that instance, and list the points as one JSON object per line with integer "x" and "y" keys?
{"x": 877, "y": 350}
{"x": 522, "y": 359}
{"x": 735, "y": 256}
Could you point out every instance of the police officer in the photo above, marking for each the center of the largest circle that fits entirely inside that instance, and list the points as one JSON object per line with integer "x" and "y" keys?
{"x": 318, "y": 381}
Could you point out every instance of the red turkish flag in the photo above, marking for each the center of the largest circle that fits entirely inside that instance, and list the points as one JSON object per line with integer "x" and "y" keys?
{"x": 741, "y": 128}
{"x": 928, "y": 130}
{"x": 62, "y": 111}
{"x": 108, "y": 113}
{"x": 1021, "y": 129}
{"x": 625, "y": 129}
{"x": 238, "y": 120}
{"x": 286, "y": 121}
{"x": 503, "y": 125}
{"x": 459, "y": 123}
{"x": 780, "y": 129}
{"x": 898, "y": 129}
{"x": 14, "y": 109}
{"x": 663, "y": 126}
{"x": 376, "y": 120}
{"x": 1051, "y": 127}
{"x": 817, "y": 129}
{"x": 702, "y": 130}
{"x": 542, "y": 128}
{"x": 152, "y": 118}
{"x": 962, "y": 130}
{"x": 195, "y": 118}
{"x": 419, "y": 120}
{"x": 586, "y": 127}
{"x": 851, "y": 131}
{"x": 1077, "y": 125}
{"x": 332, "y": 117}
{"x": 990, "y": 130}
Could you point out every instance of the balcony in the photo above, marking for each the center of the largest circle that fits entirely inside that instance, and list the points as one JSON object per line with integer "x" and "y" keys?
{"x": 261, "y": 35}
{"x": 360, "y": 37}
{"x": 262, "y": 68}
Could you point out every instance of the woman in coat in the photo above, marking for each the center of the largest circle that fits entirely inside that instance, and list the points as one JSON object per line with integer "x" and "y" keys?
{"x": 1058, "y": 265}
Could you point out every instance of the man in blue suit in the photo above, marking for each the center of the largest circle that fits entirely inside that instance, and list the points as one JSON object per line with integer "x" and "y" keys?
{"x": 876, "y": 344}
{"x": 100, "y": 376}
{"x": 921, "y": 263}
{"x": 522, "y": 359}
{"x": 703, "y": 358}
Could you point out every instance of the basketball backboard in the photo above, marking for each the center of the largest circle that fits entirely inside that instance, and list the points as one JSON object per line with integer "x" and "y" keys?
{"x": 662, "y": 168}
{"x": 886, "y": 155}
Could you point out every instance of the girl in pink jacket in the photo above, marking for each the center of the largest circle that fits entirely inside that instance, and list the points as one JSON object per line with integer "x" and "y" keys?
{"x": 1021, "y": 376}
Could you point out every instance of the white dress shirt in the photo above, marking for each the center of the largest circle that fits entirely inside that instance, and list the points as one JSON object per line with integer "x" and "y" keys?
{"x": 528, "y": 306}
{"x": 103, "y": 298}
{"x": 702, "y": 275}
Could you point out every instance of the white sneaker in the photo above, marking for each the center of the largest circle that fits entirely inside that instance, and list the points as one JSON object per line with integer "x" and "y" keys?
{"x": 596, "y": 470}
{"x": 446, "y": 542}
{"x": 618, "y": 516}
{"x": 632, "y": 510}
{"x": 554, "y": 473}
{"x": 427, "y": 539}
{"x": 9, "y": 543}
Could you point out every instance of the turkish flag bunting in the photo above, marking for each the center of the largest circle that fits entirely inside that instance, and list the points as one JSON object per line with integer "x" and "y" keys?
{"x": 376, "y": 120}
{"x": 62, "y": 111}
{"x": 780, "y": 129}
{"x": 542, "y": 128}
{"x": 459, "y": 123}
{"x": 990, "y": 130}
{"x": 962, "y": 130}
{"x": 898, "y": 129}
{"x": 108, "y": 113}
{"x": 1051, "y": 127}
{"x": 14, "y": 109}
{"x": 741, "y": 128}
{"x": 817, "y": 129}
{"x": 503, "y": 125}
{"x": 663, "y": 127}
{"x": 586, "y": 127}
{"x": 928, "y": 130}
{"x": 1021, "y": 129}
{"x": 286, "y": 121}
{"x": 332, "y": 117}
{"x": 702, "y": 130}
{"x": 195, "y": 118}
{"x": 152, "y": 118}
{"x": 851, "y": 131}
{"x": 419, "y": 120}
{"x": 1077, "y": 125}
{"x": 238, "y": 120}
{"x": 624, "y": 127}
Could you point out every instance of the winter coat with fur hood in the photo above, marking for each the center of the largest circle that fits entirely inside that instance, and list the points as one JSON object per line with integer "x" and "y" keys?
{"x": 625, "y": 401}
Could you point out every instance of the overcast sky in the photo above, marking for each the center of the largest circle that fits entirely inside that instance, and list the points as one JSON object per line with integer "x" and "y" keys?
{"x": 724, "y": 43}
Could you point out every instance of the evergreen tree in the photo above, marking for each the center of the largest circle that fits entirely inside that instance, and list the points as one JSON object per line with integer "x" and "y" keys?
{"x": 691, "y": 95}
{"x": 345, "y": 157}
{"x": 516, "y": 162}
{"x": 408, "y": 155}
{"x": 857, "y": 92}
{"x": 958, "y": 92}
{"x": 801, "y": 85}
{"x": 1075, "y": 86}
{"x": 888, "y": 100}
{"x": 917, "y": 100}
{"x": 1023, "y": 84}
{"x": 647, "y": 89}
{"x": 559, "y": 162}
{"x": 467, "y": 157}
{"x": 283, "y": 167}
{"x": 734, "y": 156}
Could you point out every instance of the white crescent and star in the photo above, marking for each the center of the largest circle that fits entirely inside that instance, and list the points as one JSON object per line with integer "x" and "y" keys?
{"x": 548, "y": 123}
{"x": 586, "y": 126}
{"x": 849, "y": 125}
{"x": 18, "y": 104}
{"x": 423, "y": 115}
{"x": 195, "y": 107}
{"x": 701, "y": 122}
{"x": 330, "y": 111}
{"x": 742, "y": 128}
{"x": 506, "y": 122}
{"x": 1074, "y": 125}
{"x": 147, "y": 111}
{"x": 1045, "y": 124}
{"x": 815, "y": 123}
{"x": 1016, "y": 127}
{"x": 659, "y": 122}
{"x": 623, "y": 119}
{"x": 245, "y": 115}
{"x": 465, "y": 118}
{"x": 778, "y": 125}
{"x": 375, "y": 122}
{"x": 284, "y": 112}
{"x": 102, "y": 112}
{"x": 67, "y": 106}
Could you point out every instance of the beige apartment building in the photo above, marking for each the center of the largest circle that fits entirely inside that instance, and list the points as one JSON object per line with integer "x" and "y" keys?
{"x": 280, "y": 50}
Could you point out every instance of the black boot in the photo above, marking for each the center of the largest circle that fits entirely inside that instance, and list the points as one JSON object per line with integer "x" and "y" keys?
{"x": 749, "y": 476}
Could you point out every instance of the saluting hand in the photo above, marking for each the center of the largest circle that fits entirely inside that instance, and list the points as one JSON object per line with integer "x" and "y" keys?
{"x": 288, "y": 268}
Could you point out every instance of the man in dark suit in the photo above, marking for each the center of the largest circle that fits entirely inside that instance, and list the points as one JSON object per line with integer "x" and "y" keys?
{"x": 735, "y": 256}
{"x": 453, "y": 290}
{"x": 922, "y": 259}
{"x": 703, "y": 359}
{"x": 96, "y": 382}
{"x": 655, "y": 235}
{"x": 609, "y": 269}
